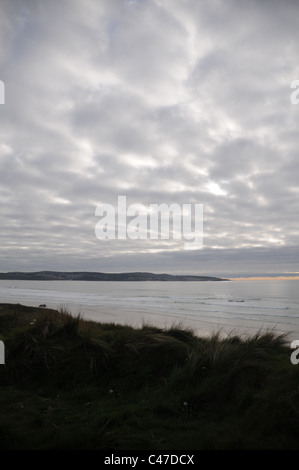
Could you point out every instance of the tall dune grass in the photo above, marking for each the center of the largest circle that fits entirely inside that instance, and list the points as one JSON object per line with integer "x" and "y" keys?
{"x": 69, "y": 383}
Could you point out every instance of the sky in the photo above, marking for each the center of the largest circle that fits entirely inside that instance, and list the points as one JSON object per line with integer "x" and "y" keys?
{"x": 161, "y": 101}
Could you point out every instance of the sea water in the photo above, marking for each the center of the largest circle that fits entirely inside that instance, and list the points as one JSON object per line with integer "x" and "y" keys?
{"x": 238, "y": 307}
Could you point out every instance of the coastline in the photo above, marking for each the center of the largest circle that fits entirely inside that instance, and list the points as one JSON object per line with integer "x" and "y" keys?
{"x": 109, "y": 277}
{"x": 204, "y": 307}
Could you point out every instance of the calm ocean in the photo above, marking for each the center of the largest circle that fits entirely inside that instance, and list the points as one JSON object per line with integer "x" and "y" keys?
{"x": 233, "y": 306}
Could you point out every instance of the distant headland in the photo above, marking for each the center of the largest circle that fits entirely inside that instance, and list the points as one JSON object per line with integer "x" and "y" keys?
{"x": 98, "y": 276}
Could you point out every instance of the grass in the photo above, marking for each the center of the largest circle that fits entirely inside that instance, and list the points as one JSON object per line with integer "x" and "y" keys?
{"x": 68, "y": 383}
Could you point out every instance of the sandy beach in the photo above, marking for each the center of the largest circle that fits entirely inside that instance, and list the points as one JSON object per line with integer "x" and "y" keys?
{"x": 232, "y": 308}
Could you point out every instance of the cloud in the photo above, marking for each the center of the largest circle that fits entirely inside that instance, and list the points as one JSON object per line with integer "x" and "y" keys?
{"x": 185, "y": 102}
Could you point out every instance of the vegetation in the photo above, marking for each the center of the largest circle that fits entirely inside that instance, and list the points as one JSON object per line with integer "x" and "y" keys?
{"x": 68, "y": 383}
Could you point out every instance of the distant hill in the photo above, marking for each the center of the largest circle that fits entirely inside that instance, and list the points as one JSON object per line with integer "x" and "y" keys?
{"x": 94, "y": 276}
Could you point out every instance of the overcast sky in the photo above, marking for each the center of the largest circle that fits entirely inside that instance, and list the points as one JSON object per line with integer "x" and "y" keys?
{"x": 161, "y": 101}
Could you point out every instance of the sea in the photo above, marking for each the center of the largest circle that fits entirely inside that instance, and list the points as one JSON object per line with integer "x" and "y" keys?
{"x": 242, "y": 307}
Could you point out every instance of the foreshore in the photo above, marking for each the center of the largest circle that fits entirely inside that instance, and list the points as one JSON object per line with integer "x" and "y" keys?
{"x": 200, "y": 326}
{"x": 239, "y": 307}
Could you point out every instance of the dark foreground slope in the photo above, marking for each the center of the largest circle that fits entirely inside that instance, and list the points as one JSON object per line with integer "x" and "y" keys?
{"x": 74, "y": 384}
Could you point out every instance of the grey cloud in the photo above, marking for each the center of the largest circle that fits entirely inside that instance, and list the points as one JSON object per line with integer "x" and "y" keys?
{"x": 148, "y": 47}
{"x": 185, "y": 102}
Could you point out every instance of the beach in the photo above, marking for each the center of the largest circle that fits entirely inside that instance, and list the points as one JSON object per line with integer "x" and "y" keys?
{"x": 243, "y": 307}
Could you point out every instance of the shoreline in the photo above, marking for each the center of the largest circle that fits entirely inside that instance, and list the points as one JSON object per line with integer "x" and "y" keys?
{"x": 156, "y": 320}
{"x": 204, "y": 307}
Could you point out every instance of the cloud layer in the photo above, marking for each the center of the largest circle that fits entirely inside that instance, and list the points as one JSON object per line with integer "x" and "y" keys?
{"x": 164, "y": 102}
